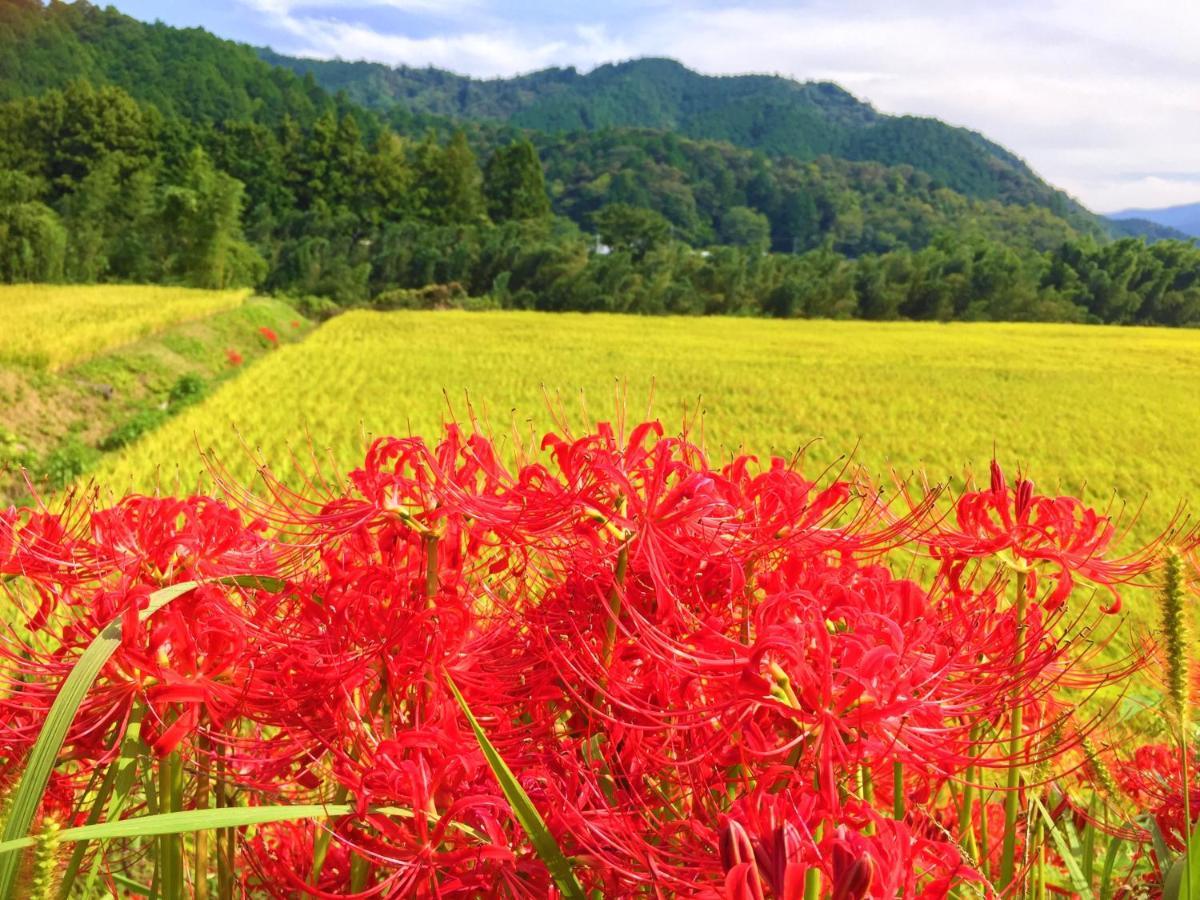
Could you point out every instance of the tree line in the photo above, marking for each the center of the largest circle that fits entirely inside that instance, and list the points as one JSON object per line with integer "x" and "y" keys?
{"x": 97, "y": 186}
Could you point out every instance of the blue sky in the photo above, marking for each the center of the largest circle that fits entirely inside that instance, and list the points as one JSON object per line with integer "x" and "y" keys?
{"x": 1102, "y": 97}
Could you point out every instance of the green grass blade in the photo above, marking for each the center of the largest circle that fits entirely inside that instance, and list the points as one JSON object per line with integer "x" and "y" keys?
{"x": 1110, "y": 861}
{"x": 1065, "y": 852}
{"x": 207, "y": 820}
{"x": 1183, "y": 878}
{"x": 527, "y": 815}
{"x": 67, "y": 882}
{"x": 42, "y": 759}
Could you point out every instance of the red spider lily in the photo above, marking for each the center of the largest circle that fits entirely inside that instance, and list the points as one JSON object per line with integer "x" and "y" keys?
{"x": 233, "y": 357}
{"x": 269, "y": 335}
{"x": 1031, "y": 530}
{"x": 698, "y": 675}
{"x": 1154, "y": 780}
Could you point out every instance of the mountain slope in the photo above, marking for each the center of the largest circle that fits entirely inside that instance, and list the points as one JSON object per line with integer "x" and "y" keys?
{"x": 1184, "y": 218}
{"x": 191, "y": 74}
{"x": 1152, "y": 232}
{"x": 187, "y": 73}
{"x": 777, "y": 115}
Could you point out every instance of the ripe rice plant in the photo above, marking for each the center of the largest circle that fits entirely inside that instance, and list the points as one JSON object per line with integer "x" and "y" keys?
{"x": 613, "y": 670}
{"x": 1103, "y": 412}
{"x": 52, "y": 326}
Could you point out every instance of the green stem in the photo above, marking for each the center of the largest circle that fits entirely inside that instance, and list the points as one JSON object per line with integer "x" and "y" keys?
{"x": 67, "y": 884}
{"x": 225, "y": 835}
{"x": 359, "y": 869}
{"x": 1039, "y": 860}
{"x": 984, "y": 846}
{"x": 322, "y": 841}
{"x": 615, "y": 598}
{"x": 200, "y": 876}
{"x": 898, "y": 791}
{"x": 1012, "y": 799}
{"x": 430, "y": 542}
{"x": 966, "y": 830}
{"x": 812, "y": 878}
{"x": 170, "y": 846}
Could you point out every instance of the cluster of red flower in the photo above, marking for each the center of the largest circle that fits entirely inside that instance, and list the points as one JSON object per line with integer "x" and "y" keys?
{"x": 712, "y": 682}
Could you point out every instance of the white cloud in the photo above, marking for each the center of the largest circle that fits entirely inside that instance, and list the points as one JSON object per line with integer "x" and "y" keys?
{"x": 446, "y": 8}
{"x": 1085, "y": 90}
{"x": 498, "y": 51}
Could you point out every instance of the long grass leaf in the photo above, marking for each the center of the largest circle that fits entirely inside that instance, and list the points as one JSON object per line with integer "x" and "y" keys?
{"x": 189, "y": 820}
{"x": 1183, "y": 878}
{"x": 1065, "y": 852}
{"x": 28, "y": 795}
{"x": 527, "y": 815}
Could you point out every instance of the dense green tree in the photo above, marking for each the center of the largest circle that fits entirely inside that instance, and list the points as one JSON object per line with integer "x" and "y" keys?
{"x": 32, "y": 243}
{"x": 450, "y": 180}
{"x": 201, "y": 219}
{"x": 514, "y": 185}
{"x": 631, "y": 229}
{"x": 742, "y": 226}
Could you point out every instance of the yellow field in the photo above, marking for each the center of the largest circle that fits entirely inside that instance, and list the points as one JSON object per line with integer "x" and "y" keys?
{"x": 1114, "y": 408}
{"x": 51, "y": 326}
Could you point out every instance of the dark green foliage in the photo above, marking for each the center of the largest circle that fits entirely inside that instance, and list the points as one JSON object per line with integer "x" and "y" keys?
{"x": 64, "y": 466}
{"x": 632, "y": 229}
{"x": 182, "y": 72}
{"x": 514, "y": 185}
{"x": 742, "y": 226}
{"x": 185, "y": 391}
{"x": 132, "y": 429}
{"x": 776, "y": 115}
{"x": 32, "y": 243}
{"x": 201, "y": 214}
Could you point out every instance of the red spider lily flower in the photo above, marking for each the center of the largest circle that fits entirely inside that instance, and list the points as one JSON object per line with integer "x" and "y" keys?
{"x": 233, "y": 357}
{"x": 1153, "y": 779}
{"x": 1032, "y": 530}
{"x": 269, "y": 335}
{"x": 697, "y": 674}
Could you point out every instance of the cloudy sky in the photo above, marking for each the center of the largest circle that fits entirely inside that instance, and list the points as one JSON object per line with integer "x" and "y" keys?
{"x": 1102, "y": 97}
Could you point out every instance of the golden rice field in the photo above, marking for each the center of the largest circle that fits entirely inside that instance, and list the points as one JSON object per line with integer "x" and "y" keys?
{"x": 52, "y": 326}
{"x": 1112, "y": 408}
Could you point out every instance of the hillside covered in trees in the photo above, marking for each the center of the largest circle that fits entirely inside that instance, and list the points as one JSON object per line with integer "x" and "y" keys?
{"x": 134, "y": 152}
{"x": 777, "y": 115}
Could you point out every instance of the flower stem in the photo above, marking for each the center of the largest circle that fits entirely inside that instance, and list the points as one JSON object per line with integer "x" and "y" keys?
{"x": 898, "y": 791}
{"x": 170, "y": 846}
{"x": 1012, "y": 799}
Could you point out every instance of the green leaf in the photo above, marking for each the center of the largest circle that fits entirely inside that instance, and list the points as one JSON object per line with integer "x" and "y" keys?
{"x": 1066, "y": 853}
{"x": 527, "y": 815}
{"x": 28, "y": 795}
{"x": 255, "y": 582}
{"x": 1183, "y": 878}
{"x": 210, "y": 819}
{"x": 1110, "y": 861}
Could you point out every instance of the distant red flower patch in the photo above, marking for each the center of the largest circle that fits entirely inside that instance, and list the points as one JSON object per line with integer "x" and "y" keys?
{"x": 233, "y": 357}
{"x": 269, "y": 336}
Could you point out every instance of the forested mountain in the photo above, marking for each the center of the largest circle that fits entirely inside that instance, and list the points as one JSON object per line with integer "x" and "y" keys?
{"x": 1184, "y": 218}
{"x": 133, "y": 152}
{"x": 1149, "y": 230}
{"x": 777, "y": 115}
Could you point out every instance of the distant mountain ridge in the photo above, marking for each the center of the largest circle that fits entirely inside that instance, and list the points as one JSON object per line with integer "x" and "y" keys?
{"x": 1183, "y": 218}
{"x": 776, "y": 115}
